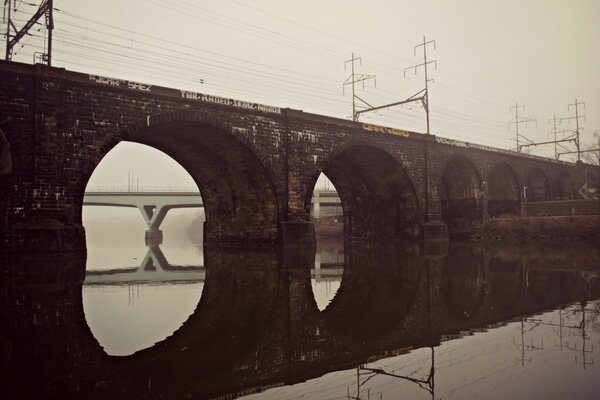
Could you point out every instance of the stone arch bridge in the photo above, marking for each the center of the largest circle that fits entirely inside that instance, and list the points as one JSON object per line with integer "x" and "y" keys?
{"x": 255, "y": 165}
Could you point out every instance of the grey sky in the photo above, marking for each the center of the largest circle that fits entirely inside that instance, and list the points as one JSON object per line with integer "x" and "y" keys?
{"x": 543, "y": 53}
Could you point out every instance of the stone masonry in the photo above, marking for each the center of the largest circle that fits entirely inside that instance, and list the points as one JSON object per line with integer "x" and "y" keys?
{"x": 255, "y": 165}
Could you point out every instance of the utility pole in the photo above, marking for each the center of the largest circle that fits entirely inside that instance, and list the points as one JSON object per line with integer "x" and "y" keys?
{"x": 555, "y": 144}
{"x": 577, "y": 129}
{"x": 518, "y": 120}
{"x": 421, "y": 95}
{"x": 353, "y": 79}
{"x": 555, "y": 132}
{"x": 424, "y": 64}
{"x": 597, "y": 133}
{"x": 13, "y": 35}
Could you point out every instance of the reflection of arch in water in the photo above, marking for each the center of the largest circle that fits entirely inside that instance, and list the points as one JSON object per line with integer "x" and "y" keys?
{"x": 502, "y": 191}
{"x": 460, "y": 193}
{"x": 377, "y": 194}
{"x": 544, "y": 286}
{"x": 463, "y": 281}
{"x": 505, "y": 282}
{"x": 237, "y": 303}
{"x": 154, "y": 268}
{"x": 547, "y": 286}
{"x": 377, "y": 290}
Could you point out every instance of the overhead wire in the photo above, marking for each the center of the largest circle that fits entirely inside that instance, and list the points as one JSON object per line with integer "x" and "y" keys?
{"x": 293, "y": 85}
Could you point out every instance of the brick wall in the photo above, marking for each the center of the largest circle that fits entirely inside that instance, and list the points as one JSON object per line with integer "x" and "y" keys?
{"x": 256, "y": 165}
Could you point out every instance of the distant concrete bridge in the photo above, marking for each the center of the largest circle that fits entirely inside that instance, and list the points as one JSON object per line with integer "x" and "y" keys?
{"x": 256, "y": 165}
{"x": 154, "y": 205}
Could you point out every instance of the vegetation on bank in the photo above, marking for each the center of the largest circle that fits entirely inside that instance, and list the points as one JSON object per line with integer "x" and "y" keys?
{"x": 561, "y": 228}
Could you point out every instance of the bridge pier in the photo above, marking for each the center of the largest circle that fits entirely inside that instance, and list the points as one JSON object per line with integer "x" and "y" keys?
{"x": 44, "y": 235}
{"x": 153, "y": 236}
{"x": 298, "y": 234}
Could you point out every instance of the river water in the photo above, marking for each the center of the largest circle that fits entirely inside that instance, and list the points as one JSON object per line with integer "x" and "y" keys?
{"x": 452, "y": 320}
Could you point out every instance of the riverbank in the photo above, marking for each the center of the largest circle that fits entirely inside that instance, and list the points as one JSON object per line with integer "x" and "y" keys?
{"x": 554, "y": 228}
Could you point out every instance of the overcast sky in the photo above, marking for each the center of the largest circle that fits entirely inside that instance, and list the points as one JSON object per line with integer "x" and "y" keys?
{"x": 490, "y": 54}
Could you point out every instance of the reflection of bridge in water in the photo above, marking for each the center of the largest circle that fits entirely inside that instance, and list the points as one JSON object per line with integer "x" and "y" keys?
{"x": 155, "y": 268}
{"x": 391, "y": 301}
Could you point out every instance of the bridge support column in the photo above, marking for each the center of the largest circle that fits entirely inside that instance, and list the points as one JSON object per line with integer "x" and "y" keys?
{"x": 435, "y": 230}
{"x": 316, "y": 204}
{"x": 153, "y": 237}
{"x": 44, "y": 235}
{"x": 298, "y": 233}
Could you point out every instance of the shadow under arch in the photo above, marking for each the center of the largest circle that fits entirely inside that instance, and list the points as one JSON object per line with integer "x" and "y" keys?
{"x": 461, "y": 195}
{"x": 377, "y": 195}
{"x": 378, "y": 288}
{"x": 236, "y": 188}
{"x": 463, "y": 281}
{"x": 538, "y": 188}
{"x": 565, "y": 187}
{"x": 503, "y": 192}
{"x": 6, "y": 164}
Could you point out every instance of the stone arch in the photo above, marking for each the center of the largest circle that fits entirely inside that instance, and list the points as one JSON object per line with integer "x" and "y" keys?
{"x": 377, "y": 195}
{"x": 538, "y": 188}
{"x": 503, "y": 194}
{"x": 6, "y": 165}
{"x": 461, "y": 195}
{"x": 236, "y": 188}
{"x": 565, "y": 186}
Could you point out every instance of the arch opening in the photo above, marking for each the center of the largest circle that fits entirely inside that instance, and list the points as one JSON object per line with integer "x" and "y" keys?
{"x": 502, "y": 192}
{"x": 376, "y": 194}
{"x": 538, "y": 188}
{"x": 566, "y": 187}
{"x": 592, "y": 182}
{"x": 461, "y": 196}
{"x": 327, "y": 217}
{"x": 237, "y": 191}
{"x": 135, "y": 190}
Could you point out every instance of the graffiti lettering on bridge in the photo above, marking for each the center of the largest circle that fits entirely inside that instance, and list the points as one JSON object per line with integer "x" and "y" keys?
{"x": 117, "y": 82}
{"x": 229, "y": 102}
{"x": 384, "y": 129}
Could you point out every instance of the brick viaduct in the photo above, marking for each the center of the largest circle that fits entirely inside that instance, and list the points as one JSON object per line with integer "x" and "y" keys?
{"x": 255, "y": 165}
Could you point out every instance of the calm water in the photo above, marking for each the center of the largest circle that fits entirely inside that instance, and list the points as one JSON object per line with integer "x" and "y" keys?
{"x": 344, "y": 321}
